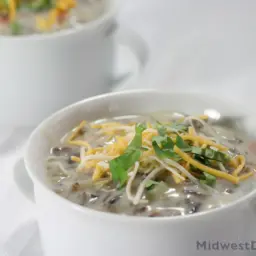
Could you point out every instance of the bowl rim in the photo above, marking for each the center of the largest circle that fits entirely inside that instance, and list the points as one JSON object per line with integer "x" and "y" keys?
{"x": 112, "y": 9}
{"x": 121, "y": 217}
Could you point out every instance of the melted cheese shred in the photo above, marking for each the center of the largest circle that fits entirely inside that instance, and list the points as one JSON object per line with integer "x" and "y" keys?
{"x": 95, "y": 160}
{"x": 94, "y": 156}
{"x": 246, "y": 176}
{"x": 241, "y": 160}
{"x": 44, "y": 24}
{"x": 75, "y": 159}
{"x": 81, "y": 143}
{"x": 203, "y": 141}
{"x": 77, "y": 130}
{"x": 12, "y": 10}
{"x": 62, "y": 7}
{"x": 192, "y": 132}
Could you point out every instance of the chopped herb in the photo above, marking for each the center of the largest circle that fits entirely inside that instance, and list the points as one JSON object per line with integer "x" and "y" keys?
{"x": 210, "y": 154}
{"x": 120, "y": 188}
{"x": 120, "y": 165}
{"x": 197, "y": 150}
{"x": 5, "y": 3}
{"x": 163, "y": 146}
{"x": 40, "y": 5}
{"x": 161, "y": 129}
{"x": 137, "y": 140}
{"x": 209, "y": 179}
{"x": 159, "y": 139}
{"x": 177, "y": 127}
{"x": 172, "y": 127}
{"x": 165, "y": 141}
{"x": 16, "y": 28}
{"x": 165, "y": 153}
{"x": 202, "y": 160}
{"x": 168, "y": 143}
{"x": 180, "y": 143}
{"x": 150, "y": 184}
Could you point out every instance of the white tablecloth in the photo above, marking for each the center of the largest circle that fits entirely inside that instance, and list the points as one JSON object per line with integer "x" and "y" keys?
{"x": 194, "y": 45}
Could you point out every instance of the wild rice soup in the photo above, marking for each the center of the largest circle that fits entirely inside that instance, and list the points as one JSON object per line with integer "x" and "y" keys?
{"x": 153, "y": 165}
{"x": 19, "y": 17}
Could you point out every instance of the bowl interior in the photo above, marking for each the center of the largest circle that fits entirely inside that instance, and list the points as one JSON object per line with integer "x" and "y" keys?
{"x": 52, "y": 129}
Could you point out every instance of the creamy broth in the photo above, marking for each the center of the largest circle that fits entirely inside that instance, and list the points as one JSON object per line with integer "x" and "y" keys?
{"x": 85, "y": 166}
{"x": 30, "y": 18}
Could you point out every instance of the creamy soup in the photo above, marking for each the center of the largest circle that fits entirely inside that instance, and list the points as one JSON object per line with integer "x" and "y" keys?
{"x": 154, "y": 165}
{"x": 19, "y": 17}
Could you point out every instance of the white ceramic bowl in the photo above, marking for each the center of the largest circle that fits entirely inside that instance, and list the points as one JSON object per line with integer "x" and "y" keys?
{"x": 68, "y": 229}
{"x": 41, "y": 73}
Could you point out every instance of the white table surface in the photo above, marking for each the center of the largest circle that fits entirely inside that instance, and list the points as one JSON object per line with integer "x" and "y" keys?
{"x": 194, "y": 45}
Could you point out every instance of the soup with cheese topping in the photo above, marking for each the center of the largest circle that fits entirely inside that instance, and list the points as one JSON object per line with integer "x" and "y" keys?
{"x": 19, "y": 17}
{"x": 153, "y": 165}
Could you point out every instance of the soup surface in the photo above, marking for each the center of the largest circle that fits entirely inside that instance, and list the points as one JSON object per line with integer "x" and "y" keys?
{"x": 156, "y": 165}
{"x": 19, "y": 17}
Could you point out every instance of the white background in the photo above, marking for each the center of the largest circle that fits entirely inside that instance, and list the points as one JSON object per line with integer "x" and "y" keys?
{"x": 198, "y": 44}
{"x": 195, "y": 45}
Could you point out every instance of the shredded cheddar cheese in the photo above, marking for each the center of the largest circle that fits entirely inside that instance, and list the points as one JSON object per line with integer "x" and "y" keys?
{"x": 246, "y": 176}
{"x": 240, "y": 167}
{"x": 12, "y": 10}
{"x": 192, "y": 132}
{"x": 187, "y": 166}
{"x": 61, "y": 7}
{"x": 147, "y": 135}
{"x": 204, "y": 146}
{"x": 149, "y": 125}
{"x": 121, "y": 143}
{"x": 152, "y": 154}
{"x": 75, "y": 159}
{"x": 202, "y": 141}
{"x": 91, "y": 163}
{"x": 81, "y": 143}
{"x": 233, "y": 162}
{"x": 118, "y": 147}
{"x": 77, "y": 130}
{"x": 98, "y": 173}
{"x": 177, "y": 179}
{"x": 204, "y": 117}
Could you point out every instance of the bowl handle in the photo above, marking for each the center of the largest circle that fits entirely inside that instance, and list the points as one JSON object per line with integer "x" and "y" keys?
{"x": 128, "y": 38}
{"x": 22, "y": 180}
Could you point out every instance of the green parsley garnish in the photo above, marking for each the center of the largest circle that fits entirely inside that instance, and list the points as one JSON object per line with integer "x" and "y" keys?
{"x": 40, "y": 5}
{"x": 150, "y": 184}
{"x": 208, "y": 179}
{"x": 161, "y": 129}
{"x": 16, "y": 28}
{"x": 120, "y": 165}
{"x": 172, "y": 127}
{"x": 165, "y": 153}
{"x": 176, "y": 127}
{"x": 180, "y": 143}
{"x": 210, "y": 154}
{"x": 163, "y": 146}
